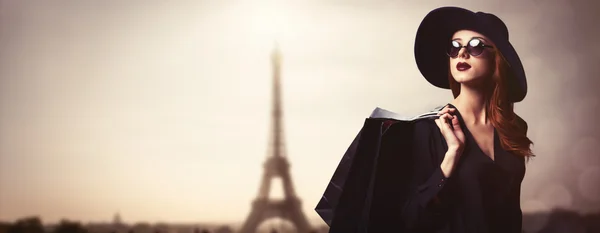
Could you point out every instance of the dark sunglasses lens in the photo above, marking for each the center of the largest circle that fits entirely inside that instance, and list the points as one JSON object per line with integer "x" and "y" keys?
{"x": 453, "y": 49}
{"x": 453, "y": 52}
{"x": 475, "y": 47}
{"x": 476, "y": 50}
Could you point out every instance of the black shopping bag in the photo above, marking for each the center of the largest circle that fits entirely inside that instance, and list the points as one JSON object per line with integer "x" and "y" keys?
{"x": 368, "y": 187}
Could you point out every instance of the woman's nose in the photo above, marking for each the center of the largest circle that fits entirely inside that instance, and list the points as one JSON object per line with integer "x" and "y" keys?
{"x": 463, "y": 52}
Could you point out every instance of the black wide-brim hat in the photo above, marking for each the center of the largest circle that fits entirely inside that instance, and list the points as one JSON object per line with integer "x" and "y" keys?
{"x": 434, "y": 36}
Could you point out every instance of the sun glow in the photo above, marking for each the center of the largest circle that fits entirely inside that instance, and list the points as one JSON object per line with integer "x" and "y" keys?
{"x": 269, "y": 21}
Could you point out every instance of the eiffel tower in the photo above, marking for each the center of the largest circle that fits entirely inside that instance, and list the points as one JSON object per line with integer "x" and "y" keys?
{"x": 276, "y": 165}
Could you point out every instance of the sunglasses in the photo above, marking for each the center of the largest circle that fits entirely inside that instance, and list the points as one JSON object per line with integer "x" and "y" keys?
{"x": 474, "y": 47}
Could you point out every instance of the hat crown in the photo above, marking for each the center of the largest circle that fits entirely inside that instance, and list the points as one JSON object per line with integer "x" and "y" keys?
{"x": 492, "y": 23}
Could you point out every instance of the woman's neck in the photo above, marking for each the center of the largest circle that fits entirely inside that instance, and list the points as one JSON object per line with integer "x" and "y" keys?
{"x": 471, "y": 103}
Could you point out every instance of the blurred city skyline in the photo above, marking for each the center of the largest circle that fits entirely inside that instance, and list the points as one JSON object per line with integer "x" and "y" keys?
{"x": 161, "y": 111}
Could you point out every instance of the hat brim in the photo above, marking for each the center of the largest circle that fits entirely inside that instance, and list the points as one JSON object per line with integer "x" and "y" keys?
{"x": 434, "y": 34}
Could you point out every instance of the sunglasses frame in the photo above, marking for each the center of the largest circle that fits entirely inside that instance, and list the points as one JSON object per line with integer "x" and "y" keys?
{"x": 468, "y": 47}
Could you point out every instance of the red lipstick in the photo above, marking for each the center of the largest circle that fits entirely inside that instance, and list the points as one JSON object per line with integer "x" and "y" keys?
{"x": 462, "y": 66}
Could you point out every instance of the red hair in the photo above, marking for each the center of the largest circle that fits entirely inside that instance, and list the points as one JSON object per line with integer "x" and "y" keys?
{"x": 512, "y": 129}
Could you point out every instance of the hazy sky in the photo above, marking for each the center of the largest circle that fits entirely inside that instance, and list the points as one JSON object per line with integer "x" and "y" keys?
{"x": 161, "y": 110}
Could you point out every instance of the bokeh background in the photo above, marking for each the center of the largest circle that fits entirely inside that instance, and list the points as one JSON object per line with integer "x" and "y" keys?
{"x": 156, "y": 112}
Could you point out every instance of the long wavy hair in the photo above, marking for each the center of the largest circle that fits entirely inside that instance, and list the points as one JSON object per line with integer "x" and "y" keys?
{"x": 512, "y": 129}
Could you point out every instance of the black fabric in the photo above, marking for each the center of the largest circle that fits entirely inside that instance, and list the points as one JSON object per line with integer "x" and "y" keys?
{"x": 330, "y": 199}
{"x": 394, "y": 184}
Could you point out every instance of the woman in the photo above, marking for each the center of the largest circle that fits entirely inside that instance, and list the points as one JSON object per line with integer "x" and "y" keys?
{"x": 469, "y": 163}
{"x": 458, "y": 171}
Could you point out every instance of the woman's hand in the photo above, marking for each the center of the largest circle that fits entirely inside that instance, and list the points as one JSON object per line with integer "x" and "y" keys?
{"x": 455, "y": 138}
{"x": 450, "y": 128}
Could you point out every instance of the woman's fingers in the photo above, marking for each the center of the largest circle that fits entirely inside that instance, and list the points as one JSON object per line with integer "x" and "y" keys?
{"x": 455, "y": 123}
{"x": 447, "y": 120}
{"x": 443, "y": 122}
{"x": 458, "y": 130}
{"x": 439, "y": 123}
{"x": 446, "y": 110}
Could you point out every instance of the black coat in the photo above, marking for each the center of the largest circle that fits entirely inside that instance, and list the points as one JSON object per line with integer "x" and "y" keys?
{"x": 389, "y": 180}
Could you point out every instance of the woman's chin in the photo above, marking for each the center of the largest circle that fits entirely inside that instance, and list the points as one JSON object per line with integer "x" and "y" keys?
{"x": 468, "y": 80}
{"x": 463, "y": 79}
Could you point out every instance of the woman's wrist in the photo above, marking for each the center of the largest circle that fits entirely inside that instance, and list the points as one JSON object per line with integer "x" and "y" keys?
{"x": 454, "y": 152}
{"x": 449, "y": 161}
{"x": 447, "y": 165}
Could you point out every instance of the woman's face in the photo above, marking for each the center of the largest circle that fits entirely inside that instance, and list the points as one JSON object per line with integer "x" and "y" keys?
{"x": 474, "y": 67}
